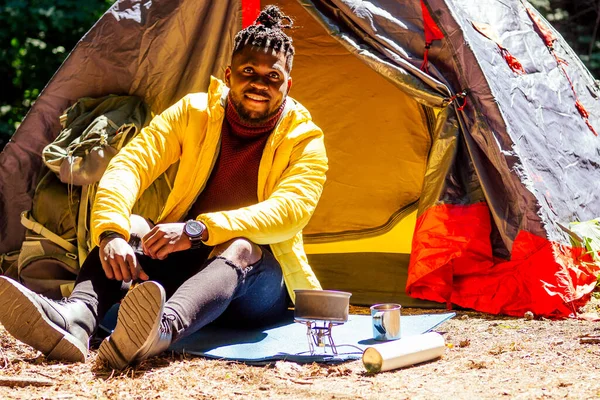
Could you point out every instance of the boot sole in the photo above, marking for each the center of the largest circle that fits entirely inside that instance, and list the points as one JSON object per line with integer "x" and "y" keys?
{"x": 26, "y": 321}
{"x": 139, "y": 316}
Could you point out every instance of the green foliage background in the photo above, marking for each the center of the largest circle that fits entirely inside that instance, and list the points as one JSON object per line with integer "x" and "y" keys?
{"x": 35, "y": 38}
{"x": 37, "y": 35}
{"x": 578, "y": 21}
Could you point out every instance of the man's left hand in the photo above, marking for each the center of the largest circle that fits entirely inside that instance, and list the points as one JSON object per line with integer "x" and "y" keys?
{"x": 165, "y": 239}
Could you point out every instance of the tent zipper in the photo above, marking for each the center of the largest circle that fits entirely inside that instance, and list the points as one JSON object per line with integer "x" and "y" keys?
{"x": 363, "y": 233}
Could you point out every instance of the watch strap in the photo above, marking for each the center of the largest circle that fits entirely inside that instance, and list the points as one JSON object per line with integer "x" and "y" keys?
{"x": 196, "y": 242}
{"x": 110, "y": 234}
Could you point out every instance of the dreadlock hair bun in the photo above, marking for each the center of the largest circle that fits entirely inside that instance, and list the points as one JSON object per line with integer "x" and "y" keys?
{"x": 272, "y": 17}
{"x": 267, "y": 32}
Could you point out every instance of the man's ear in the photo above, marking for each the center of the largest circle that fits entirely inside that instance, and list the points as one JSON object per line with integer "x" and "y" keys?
{"x": 228, "y": 76}
{"x": 289, "y": 85}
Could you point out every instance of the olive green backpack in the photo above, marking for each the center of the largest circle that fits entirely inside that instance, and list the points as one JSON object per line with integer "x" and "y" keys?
{"x": 57, "y": 239}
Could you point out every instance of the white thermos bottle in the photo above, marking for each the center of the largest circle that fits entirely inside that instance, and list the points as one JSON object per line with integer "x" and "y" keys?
{"x": 403, "y": 352}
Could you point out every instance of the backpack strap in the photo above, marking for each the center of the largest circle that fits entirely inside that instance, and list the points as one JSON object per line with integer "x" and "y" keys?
{"x": 82, "y": 224}
{"x": 31, "y": 224}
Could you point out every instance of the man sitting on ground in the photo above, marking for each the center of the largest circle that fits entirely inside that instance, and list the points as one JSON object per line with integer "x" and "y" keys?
{"x": 229, "y": 240}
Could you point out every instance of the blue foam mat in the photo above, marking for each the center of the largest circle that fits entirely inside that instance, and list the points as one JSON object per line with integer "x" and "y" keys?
{"x": 288, "y": 340}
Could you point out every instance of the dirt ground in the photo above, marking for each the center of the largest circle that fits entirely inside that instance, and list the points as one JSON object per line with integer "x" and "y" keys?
{"x": 487, "y": 357}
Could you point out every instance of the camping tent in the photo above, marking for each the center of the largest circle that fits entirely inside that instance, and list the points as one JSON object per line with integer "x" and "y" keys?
{"x": 460, "y": 136}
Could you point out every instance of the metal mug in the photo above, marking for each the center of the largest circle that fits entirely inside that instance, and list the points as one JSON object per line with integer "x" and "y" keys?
{"x": 386, "y": 321}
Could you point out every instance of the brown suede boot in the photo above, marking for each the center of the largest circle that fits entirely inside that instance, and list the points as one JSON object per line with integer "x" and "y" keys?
{"x": 142, "y": 329}
{"x": 59, "y": 329}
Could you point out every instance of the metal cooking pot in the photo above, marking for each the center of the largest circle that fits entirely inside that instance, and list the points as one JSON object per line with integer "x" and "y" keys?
{"x": 322, "y": 305}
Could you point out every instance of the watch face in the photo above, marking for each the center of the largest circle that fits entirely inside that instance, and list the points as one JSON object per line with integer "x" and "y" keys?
{"x": 193, "y": 228}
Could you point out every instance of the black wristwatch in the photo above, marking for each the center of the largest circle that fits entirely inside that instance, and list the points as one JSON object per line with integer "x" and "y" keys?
{"x": 194, "y": 230}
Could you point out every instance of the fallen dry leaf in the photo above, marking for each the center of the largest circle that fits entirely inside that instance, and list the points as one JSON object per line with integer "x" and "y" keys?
{"x": 590, "y": 338}
{"x": 477, "y": 364}
{"x": 339, "y": 370}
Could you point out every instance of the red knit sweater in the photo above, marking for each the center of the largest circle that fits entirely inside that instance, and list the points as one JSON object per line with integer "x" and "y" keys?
{"x": 233, "y": 181}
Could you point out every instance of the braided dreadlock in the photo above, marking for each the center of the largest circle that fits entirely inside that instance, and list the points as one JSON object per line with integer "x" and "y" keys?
{"x": 267, "y": 33}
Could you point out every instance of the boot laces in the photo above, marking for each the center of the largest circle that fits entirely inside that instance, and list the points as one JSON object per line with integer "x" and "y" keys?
{"x": 63, "y": 302}
{"x": 166, "y": 323}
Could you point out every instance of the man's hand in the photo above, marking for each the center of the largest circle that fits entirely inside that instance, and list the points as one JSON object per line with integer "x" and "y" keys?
{"x": 119, "y": 261}
{"x": 165, "y": 239}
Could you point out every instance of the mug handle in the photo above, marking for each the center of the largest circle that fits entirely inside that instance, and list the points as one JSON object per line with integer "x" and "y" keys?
{"x": 378, "y": 322}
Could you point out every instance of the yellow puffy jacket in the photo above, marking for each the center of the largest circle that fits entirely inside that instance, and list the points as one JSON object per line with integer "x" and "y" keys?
{"x": 290, "y": 179}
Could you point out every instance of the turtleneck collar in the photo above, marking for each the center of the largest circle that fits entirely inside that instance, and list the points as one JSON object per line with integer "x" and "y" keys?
{"x": 245, "y": 129}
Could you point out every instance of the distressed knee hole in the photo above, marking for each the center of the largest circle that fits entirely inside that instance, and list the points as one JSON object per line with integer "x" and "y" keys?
{"x": 242, "y": 270}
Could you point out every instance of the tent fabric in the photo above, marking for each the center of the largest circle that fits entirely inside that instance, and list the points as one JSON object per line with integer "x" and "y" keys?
{"x": 535, "y": 167}
{"x": 496, "y": 162}
{"x": 452, "y": 262}
{"x": 524, "y": 114}
{"x": 371, "y": 277}
{"x": 432, "y": 32}
{"x": 355, "y": 201}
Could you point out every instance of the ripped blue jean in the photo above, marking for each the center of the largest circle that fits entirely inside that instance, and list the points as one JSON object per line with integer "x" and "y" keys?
{"x": 199, "y": 290}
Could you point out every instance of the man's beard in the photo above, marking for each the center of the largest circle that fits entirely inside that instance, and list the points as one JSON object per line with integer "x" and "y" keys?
{"x": 250, "y": 117}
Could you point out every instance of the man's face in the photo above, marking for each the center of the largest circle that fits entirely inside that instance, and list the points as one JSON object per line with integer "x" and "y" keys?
{"x": 258, "y": 83}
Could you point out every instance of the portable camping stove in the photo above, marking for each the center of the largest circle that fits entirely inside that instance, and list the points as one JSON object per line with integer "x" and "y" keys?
{"x": 318, "y": 333}
{"x": 321, "y": 310}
